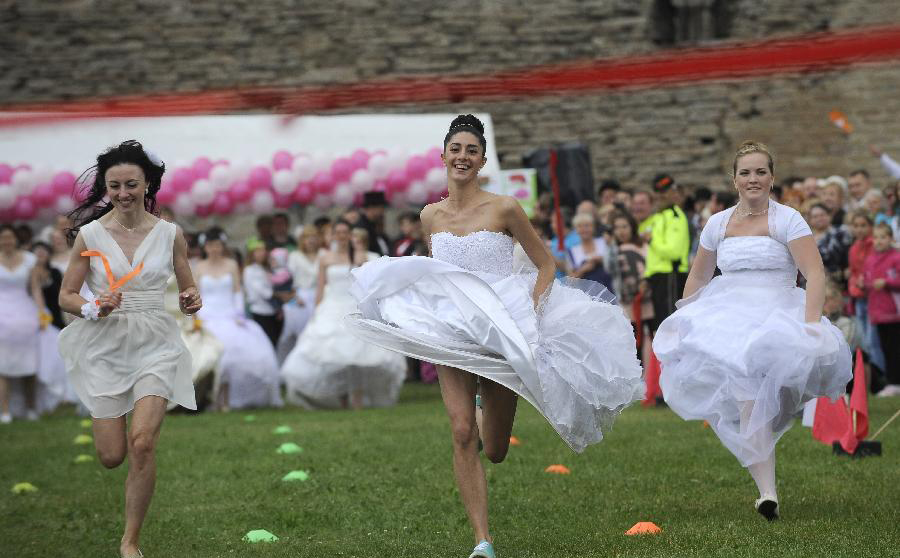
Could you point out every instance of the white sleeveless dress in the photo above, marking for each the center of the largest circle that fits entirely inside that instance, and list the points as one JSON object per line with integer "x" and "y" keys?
{"x": 328, "y": 361}
{"x": 743, "y": 338}
{"x": 248, "y": 364}
{"x": 574, "y": 361}
{"x": 137, "y": 350}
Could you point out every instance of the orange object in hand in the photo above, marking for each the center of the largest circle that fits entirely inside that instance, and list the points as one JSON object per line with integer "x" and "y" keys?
{"x": 114, "y": 284}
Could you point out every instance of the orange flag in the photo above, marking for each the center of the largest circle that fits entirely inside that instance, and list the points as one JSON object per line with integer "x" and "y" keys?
{"x": 859, "y": 402}
{"x": 840, "y": 120}
{"x": 651, "y": 378}
{"x": 832, "y": 423}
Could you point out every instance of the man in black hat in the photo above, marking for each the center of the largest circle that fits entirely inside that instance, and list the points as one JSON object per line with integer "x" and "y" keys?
{"x": 372, "y": 219}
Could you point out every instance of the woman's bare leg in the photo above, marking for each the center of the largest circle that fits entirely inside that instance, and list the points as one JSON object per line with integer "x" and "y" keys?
{"x": 146, "y": 422}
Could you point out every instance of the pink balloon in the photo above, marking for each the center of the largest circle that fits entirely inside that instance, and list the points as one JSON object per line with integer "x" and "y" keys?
{"x": 360, "y": 158}
{"x": 323, "y": 183}
{"x": 222, "y": 204}
{"x": 396, "y": 181}
{"x": 183, "y": 179}
{"x": 240, "y": 192}
{"x": 417, "y": 167}
{"x": 6, "y": 173}
{"x": 304, "y": 194}
{"x": 63, "y": 182}
{"x": 283, "y": 201}
{"x": 204, "y": 210}
{"x": 43, "y": 195}
{"x": 24, "y": 209}
{"x": 166, "y": 194}
{"x": 282, "y": 160}
{"x": 341, "y": 169}
{"x": 201, "y": 167}
{"x": 380, "y": 186}
{"x": 260, "y": 178}
{"x": 434, "y": 157}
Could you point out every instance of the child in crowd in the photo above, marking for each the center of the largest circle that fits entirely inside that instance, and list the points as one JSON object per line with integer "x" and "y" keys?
{"x": 882, "y": 284}
{"x": 833, "y": 310}
{"x": 861, "y": 228}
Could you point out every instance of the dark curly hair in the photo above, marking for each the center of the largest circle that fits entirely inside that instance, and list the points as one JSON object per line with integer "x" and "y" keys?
{"x": 93, "y": 183}
{"x": 467, "y": 123}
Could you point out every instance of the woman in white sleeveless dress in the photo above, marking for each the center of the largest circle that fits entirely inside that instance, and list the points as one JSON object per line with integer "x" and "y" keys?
{"x": 21, "y": 297}
{"x": 745, "y": 350}
{"x": 567, "y": 352}
{"x": 126, "y": 355}
{"x": 248, "y": 369}
{"x": 329, "y": 367}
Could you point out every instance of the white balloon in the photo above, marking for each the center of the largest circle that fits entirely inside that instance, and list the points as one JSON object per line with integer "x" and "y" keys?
{"x": 64, "y": 204}
{"x": 397, "y": 158}
{"x": 362, "y": 181}
{"x": 42, "y": 174}
{"x": 303, "y": 168}
{"x": 183, "y": 205}
{"x": 220, "y": 177}
{"x": 379, "y": 166}
{"x": 23, "y": 181}
{"x": 417, "y": 193}
{"x": 321, "y": 161}
{"x": 7, "y": 197}
{"x": 436, "y": 180}
{"x": 240, "y": 170}
{"x": 284, "y": 181}
{"x": 203, "y": 192}
{"x": 262, "y": 202}
{"x": 343, "y": 194}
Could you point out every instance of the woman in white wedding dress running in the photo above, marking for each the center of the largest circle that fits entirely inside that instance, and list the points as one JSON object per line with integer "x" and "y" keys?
{"x": 745, "y": 350}
{"x": 569, "y": 352}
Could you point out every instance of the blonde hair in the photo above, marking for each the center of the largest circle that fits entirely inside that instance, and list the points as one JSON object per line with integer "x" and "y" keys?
{"x": 749, "y": 147}
{"x": 583, "y": 218}
{"x": 306, "y": 232}
{"x": 884, "y": 227}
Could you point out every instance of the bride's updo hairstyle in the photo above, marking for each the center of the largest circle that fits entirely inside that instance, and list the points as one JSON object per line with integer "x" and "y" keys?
{"x": 93, "y": 182}
{"x": 749, "y": 147}
{"x": 467, "y": 123}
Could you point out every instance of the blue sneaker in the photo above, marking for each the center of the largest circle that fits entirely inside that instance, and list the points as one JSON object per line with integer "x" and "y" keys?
{"x": 483, "y": 550}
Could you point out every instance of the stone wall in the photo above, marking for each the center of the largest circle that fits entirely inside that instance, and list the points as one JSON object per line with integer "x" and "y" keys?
{"x": 71, "y": 49}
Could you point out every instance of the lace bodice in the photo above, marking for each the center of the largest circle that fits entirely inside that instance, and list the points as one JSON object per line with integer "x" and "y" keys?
{"x": 480, "y": 251}
{"x": 761, "y": 257}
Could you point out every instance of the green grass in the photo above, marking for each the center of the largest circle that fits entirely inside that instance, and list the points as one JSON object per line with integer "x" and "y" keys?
{"x": 381, "y": 485}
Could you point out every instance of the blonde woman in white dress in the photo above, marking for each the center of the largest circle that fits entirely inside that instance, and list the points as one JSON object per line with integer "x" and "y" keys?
{"x": 330, "y": 367}
{"x": 126, "y": 355}
{"x": 745, "y": 350}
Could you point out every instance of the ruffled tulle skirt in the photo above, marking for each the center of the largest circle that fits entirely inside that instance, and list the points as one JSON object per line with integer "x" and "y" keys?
{"x": 575, "y": 361}
{"x": 740, "y": 355}
{"x": 328, "y": 362}
{"x": 247, "y": 364}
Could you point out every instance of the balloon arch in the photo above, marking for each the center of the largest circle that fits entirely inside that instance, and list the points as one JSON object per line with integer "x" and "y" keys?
{"x": 221, "y": 187}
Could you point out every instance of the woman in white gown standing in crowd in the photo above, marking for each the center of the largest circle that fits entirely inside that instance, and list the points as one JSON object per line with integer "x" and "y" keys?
{"x": 568, "y": 353}
{"x": 20, "y": 298}
{"x": 329, "y": 366}
{"x": 126, "y": 354}
{"x": 248, "y": 369}
{"x": 745, "y": 350}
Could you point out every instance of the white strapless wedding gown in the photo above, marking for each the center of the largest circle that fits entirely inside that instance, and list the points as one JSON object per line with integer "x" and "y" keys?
{"x": 574, "y": 361}
{"x": 742, "y": 343}
{"x": 248, "y": 364}
{"x": 328, "y": 362}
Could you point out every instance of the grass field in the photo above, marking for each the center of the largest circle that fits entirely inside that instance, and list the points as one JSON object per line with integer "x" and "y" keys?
{"x": 381, "y": 486}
